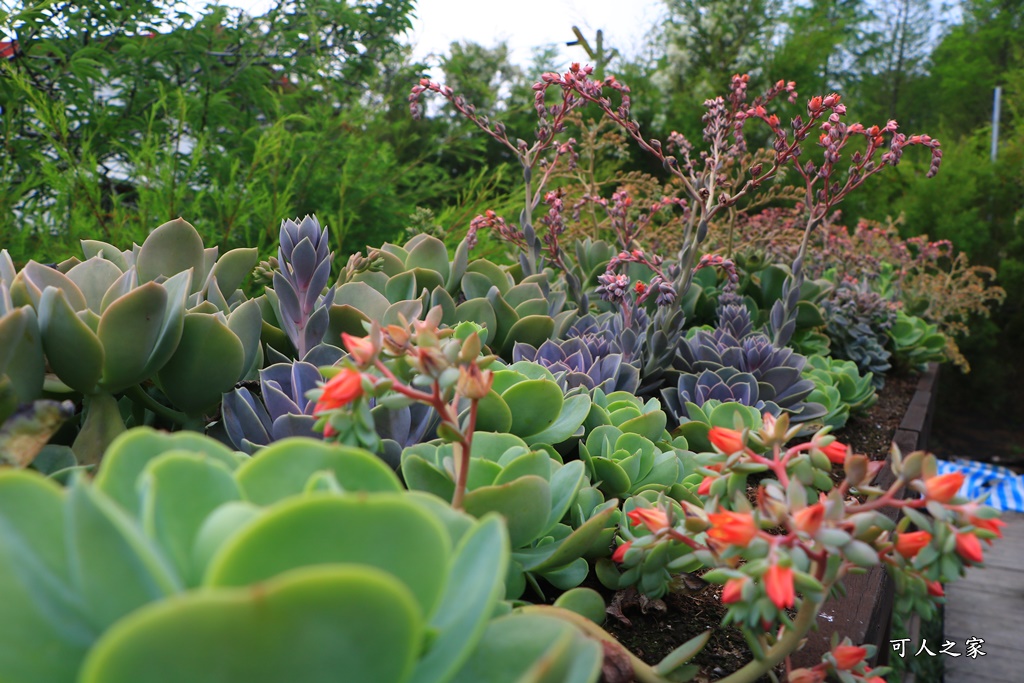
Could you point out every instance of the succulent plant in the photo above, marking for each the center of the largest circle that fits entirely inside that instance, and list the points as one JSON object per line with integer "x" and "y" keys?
{"x": 162, "y": 550}
{"x": 534, "y": 491}
{"x": 280, "y": 410}
{"x": 714, "y": 413}
{"x": 915, "y": 341}
{"x": 299, "y": 302}
{"x": 857, "y": 320}
{"x": 403, "y": 426}
{"x": 168, "y": 311}
{"x": 623, "y": 464}
{"x": 21, "y": 352}
{"x": 766, "y": 288}
{"x": 418, "y": 276}
{"x": 836, "y": 411}
{"x": 751, "y": 370}
{"x": 653, "y": 575}
{"x": 855, "y": 390}
{"x": 629, "y": 413}
{"x": 723, "y": 385}
{"x": 526, "y": 401}
{"x": 574, "y": 364}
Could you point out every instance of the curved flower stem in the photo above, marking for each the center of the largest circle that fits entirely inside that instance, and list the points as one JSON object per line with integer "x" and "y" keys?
{"x": 462, "y": 455}
{"x": 137, "y": 394}
{"x": 642, "y": 671}
{"x": 782, "y": 648}
{"x": 645, "y": 673}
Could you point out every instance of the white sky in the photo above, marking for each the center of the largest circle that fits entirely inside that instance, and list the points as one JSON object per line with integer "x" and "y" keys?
{"x": 523, "y": 24}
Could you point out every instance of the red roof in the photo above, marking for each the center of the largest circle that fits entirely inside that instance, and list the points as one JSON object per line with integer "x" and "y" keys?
{"x": 8, "y": 49}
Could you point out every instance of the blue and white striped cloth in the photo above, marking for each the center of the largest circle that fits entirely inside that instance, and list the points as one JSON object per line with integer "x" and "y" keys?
{"x": 1004, "y": 486}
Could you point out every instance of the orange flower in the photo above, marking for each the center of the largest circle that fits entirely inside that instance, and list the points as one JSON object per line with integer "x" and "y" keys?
{"x": 969, "y": 547}
{"x": 734, "y": 528}
{"x": 836, "y": 452}
{"x": 342, "y": 389}
{"x": 806, "y": 676}
{"x": 620, "y": 553}
{"x": 705, "y": 486}
{"x": 361, "y": 348}
{"x": 809, "y": 519}
{"x": 909, "y": 544}
{"x": 993, "y": 525}
{"x": 935, "y": 589}
{"x": 848, "y": 656}
{"x": 943, "y": 487}
{"x": 474, "y": 383}
{"x": 652, "y": 518}
{"x": 733, "y": 591}
{"x": 728, "y": 441}
{"x": 778, "y": 583}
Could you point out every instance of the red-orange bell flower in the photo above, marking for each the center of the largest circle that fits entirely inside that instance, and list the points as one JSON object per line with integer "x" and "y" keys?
{"x": 655, "y": 520}
{"x": 734, "y": 528}
{"x": 728, "y": 441}
{"x": 809, "y": 519}
{"x": 836, "y": 452}
{"x": 803, "y": 675}
{"x": 620, "y": 553}
{"x": 969, "y": 547}
{"x": 705, "y": 486}
{"x": 342, "y": 389}
{"x": 848, "y": 656}
{"x": 909, "y": 544}
{"x": 943, "y": 487}
{"x": 993, "y": 525}
{"x": 361, "y": 348}
{"x": 733, "y": 591}
{"x": 778, "y": 583}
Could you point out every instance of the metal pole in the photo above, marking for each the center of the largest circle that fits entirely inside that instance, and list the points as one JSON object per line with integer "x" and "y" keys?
{"x": 995, "y": 122}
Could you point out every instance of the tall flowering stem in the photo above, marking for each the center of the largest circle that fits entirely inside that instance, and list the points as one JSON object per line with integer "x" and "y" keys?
{"x": 705, "y": 182}
{"x": 539, "y": 161}
{"x": 420, "y": 363}
{"x": 795, "y": 539}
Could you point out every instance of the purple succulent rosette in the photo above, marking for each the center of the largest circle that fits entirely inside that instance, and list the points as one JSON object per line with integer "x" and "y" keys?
{"x": 281, "y": 409}
{"x": 750, "y": 369}
{"x": 304, "y": 268}
{"x": 574, "y": 364}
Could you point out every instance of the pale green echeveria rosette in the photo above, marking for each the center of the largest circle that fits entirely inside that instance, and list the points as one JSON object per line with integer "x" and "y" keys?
{"x": 157, "y": 312}
{"x": 21, "y": 352}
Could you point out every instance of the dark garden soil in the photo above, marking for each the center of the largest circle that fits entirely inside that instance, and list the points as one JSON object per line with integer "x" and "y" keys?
{"x": 653, "y": 629}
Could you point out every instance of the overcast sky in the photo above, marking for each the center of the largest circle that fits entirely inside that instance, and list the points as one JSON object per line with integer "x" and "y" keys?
{"x": 523, "y": 24}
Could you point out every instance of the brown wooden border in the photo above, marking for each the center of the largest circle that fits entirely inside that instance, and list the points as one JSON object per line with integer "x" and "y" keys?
{"x": 865, "y": 613}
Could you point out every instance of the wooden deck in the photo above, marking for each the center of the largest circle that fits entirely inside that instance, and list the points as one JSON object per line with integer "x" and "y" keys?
{"x": 989, "y": 604}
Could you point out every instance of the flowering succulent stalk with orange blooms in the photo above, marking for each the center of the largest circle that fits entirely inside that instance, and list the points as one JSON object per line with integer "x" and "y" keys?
{"x": 781, "y": 550}
{"x": 408, "y": 362}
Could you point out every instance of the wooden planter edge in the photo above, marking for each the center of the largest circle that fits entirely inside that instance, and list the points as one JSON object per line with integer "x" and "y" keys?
{"x": 865, "y": 612}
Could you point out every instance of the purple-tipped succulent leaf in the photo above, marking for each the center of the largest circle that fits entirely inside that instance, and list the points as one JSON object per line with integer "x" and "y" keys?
{"x": 246, "y": 421}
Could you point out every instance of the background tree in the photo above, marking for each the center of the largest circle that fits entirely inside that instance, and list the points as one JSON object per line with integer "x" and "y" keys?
{"x": 119, "y": 116}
